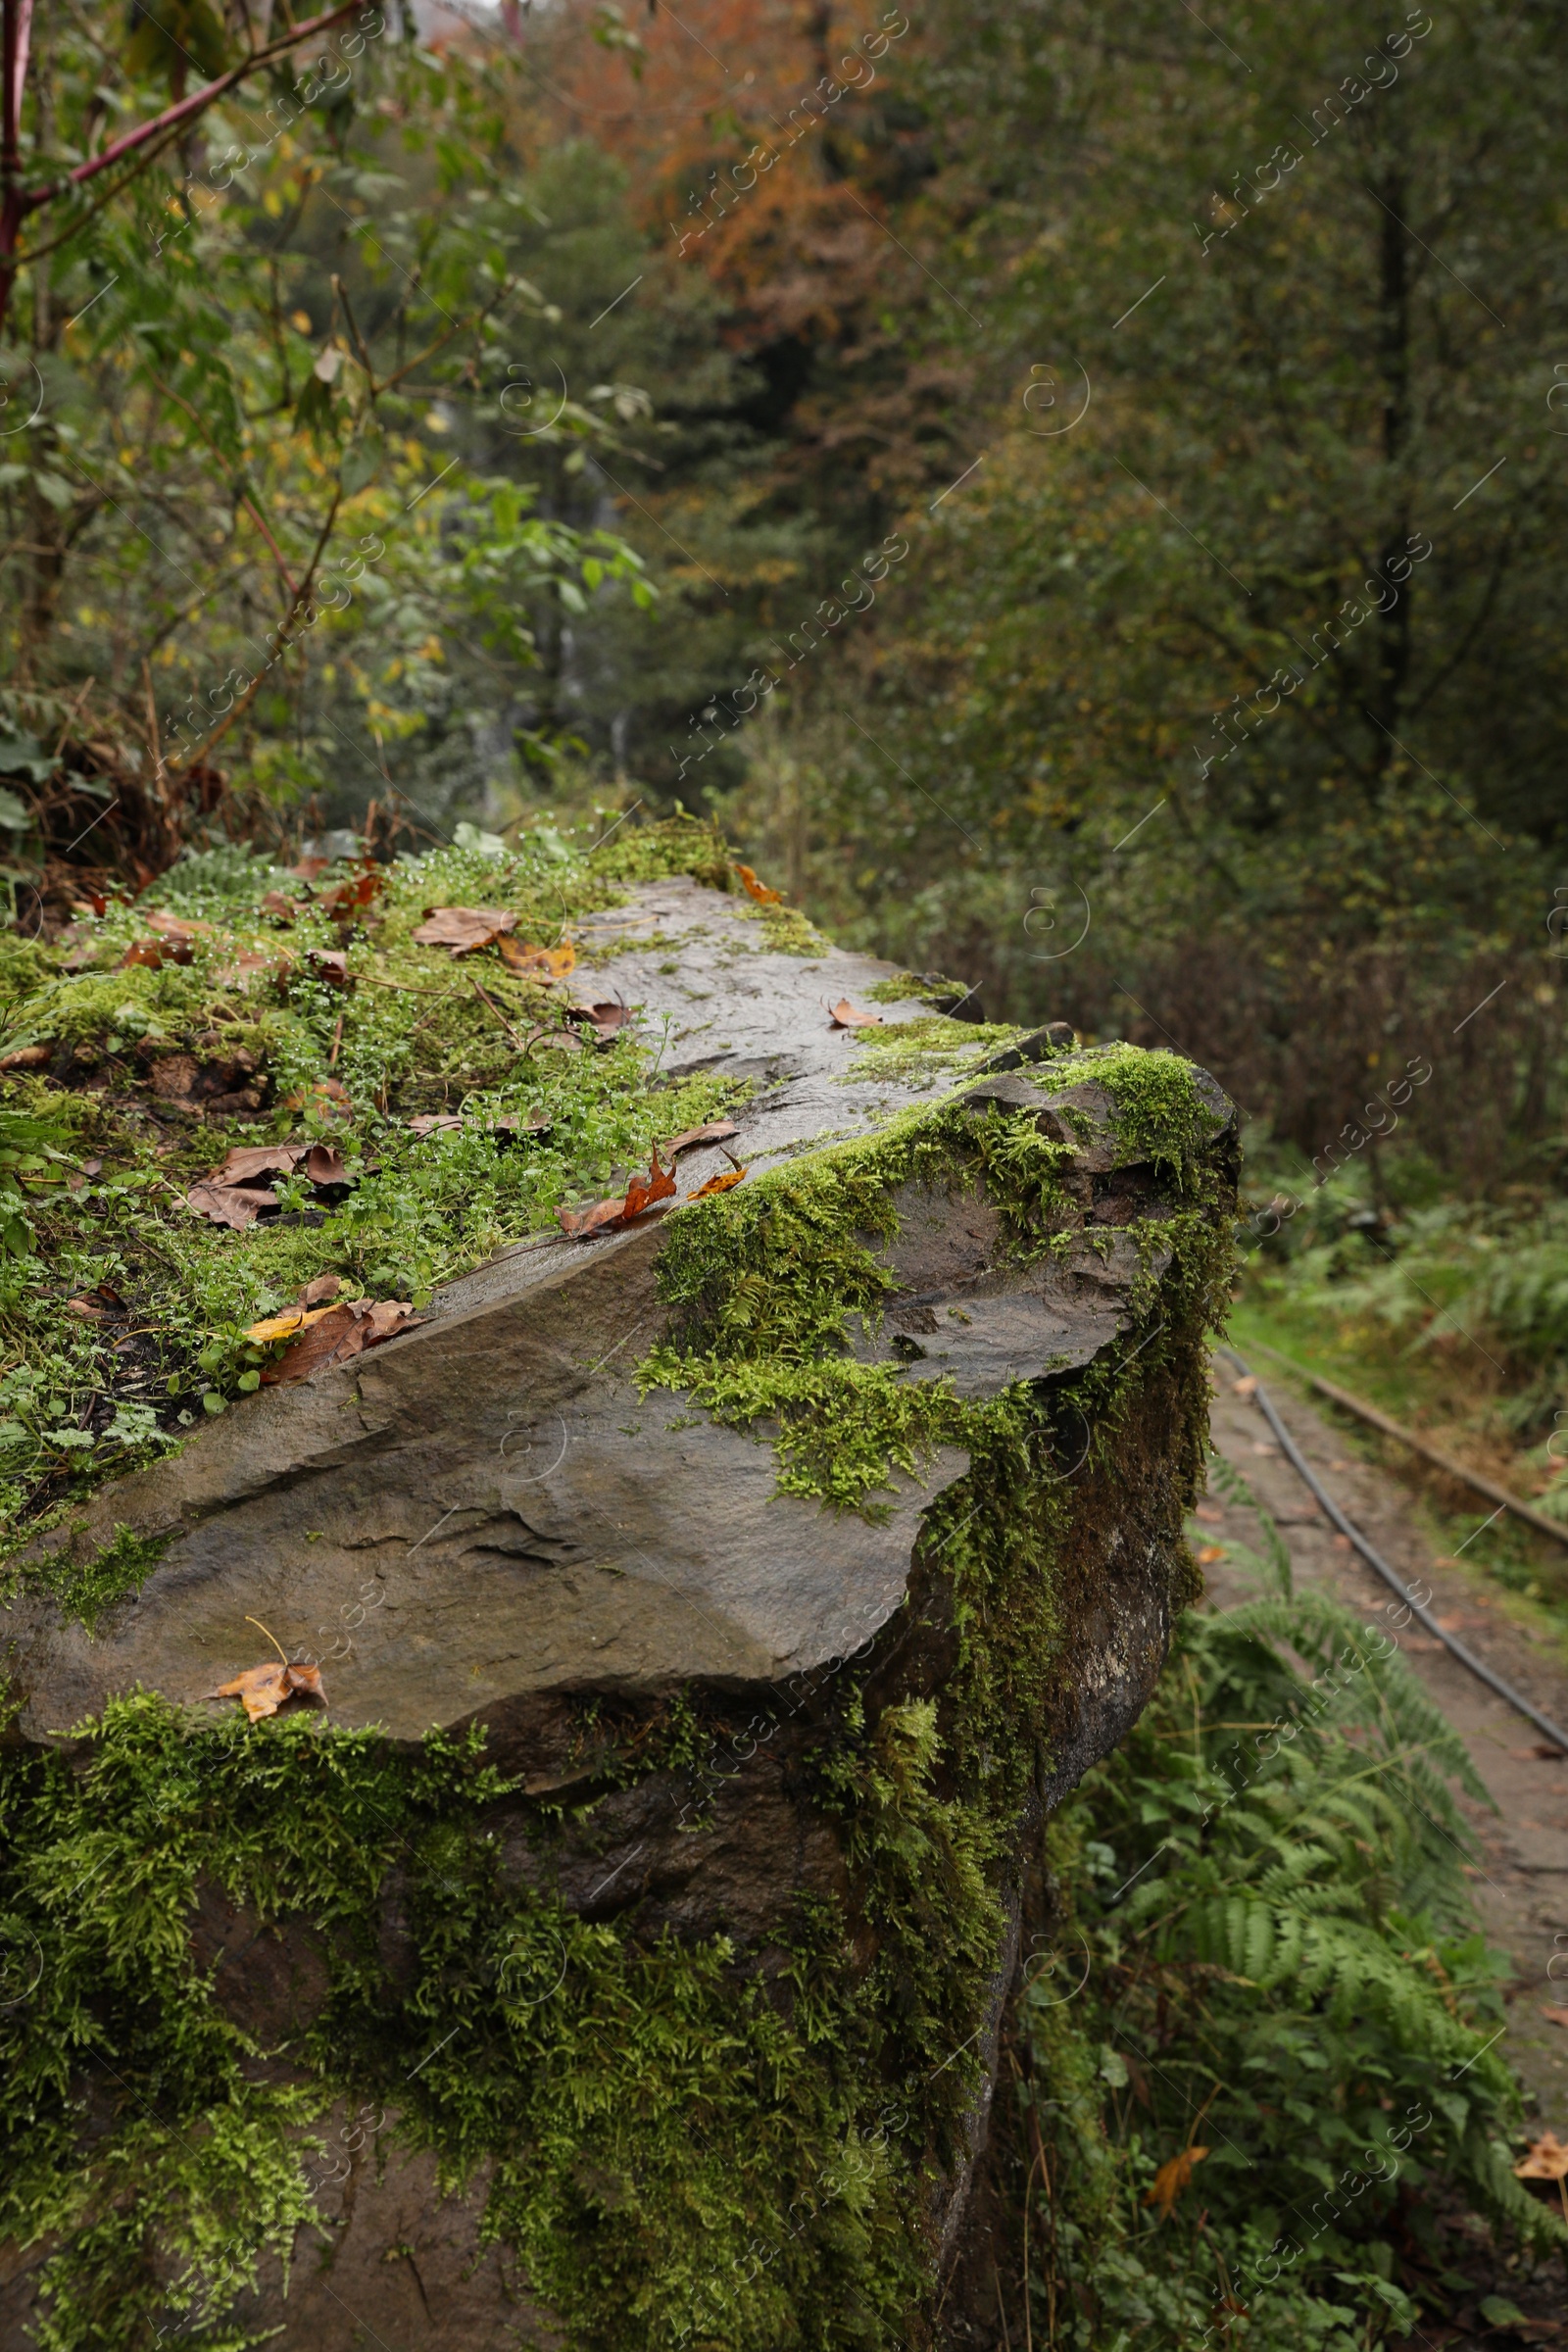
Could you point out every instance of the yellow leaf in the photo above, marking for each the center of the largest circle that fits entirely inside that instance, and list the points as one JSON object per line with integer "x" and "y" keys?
{"x": 284, "y": 1327}
{"x": 1171, "y": 2179}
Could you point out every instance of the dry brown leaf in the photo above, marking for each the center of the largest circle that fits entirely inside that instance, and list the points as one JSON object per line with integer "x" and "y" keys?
{"x": 1545, "y": 2160}
{"x": 758, "y": 890}
{"x": 462, "y": 929}
{"x": 177, "y": 927}
{"x": 232, "y": 1204}
{"x": 331, "y": 964}
{"x": 246, "y": 1161}
{"x": 718, "y": 1184}
{"x": 548, "y": 963}
{"x": 607, "y": 1020}
{"x": 282, "y": 910}
{"x": 844, "y": 1017}
{"x": 248, "y": 965}
{"x": 1556, "y": 2017}
{"x": 331, "y": 1335}
{"x": 323, "y": 1164}
{"x": 325, "y": 1286}
{"x": 27, "y": 1058}
{"x": 261, "y": 1689}
{"x": 609, "y": 1216}
{"x": 717, "y": 1131}
{"x": 309, "y": 867}
{"x": 1171, "y": 2179}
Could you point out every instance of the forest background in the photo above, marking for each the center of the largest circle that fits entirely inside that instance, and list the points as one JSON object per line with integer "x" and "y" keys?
{"x": 1075, "y": 492}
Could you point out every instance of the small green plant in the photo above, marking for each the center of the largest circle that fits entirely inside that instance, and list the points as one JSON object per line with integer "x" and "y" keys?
{"x": 1265, "y": 1963}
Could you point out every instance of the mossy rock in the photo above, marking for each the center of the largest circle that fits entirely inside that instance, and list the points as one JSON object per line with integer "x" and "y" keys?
{"x": 709, "y": 1617}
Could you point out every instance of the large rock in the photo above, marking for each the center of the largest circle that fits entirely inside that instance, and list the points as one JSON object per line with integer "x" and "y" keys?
{"x": 488, "y": 1523}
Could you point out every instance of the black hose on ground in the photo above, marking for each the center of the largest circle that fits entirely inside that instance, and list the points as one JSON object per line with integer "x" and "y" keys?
{"x": 1380, "y": 1566}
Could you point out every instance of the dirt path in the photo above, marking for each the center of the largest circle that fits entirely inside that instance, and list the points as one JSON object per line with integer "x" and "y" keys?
{"x": 1522, "y": 1884}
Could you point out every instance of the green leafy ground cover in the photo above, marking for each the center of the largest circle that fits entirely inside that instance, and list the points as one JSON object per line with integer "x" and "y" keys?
{"x": 1265, "y": 1954}
{"x": 416, "y": 1031}
{"x": 1449, "y": 1314}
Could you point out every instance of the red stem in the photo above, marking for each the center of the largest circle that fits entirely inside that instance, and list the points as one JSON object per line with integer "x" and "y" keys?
{"x": 17, "y": 202}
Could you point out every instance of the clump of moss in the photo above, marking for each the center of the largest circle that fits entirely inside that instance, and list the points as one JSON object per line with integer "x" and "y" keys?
{"x": 85, "y": 1589}
{"x": 912, "y": 1053}
{"x": 785, "y": 930}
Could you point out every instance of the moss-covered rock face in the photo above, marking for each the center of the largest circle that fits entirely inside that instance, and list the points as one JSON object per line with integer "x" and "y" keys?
{"x": 708, "y": 1615}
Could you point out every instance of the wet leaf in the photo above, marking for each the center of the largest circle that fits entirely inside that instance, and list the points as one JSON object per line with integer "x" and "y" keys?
{"x": 607, "y": 1020}
{"x": 344, "y": 896}
{"x": 261, "y": 1689}
{"x": 718, "y": 1184}
{"x": 331, "y": 964}
{"x": 287, "y": 1325}
{"x": 1171, "y": 2179}
{"x": 844, "y": 1017}
{"x": 232, "y": 1204}
{"x": 249, "y": 964}
{"x": 717, "y": 1131}
{"x": 1547, "y": 2159}
{"x": 463, "y": 929}
{"x": 545, "y": 964}
{"x": 333, "y": 1334}
{"x": 610, "y": 1216}
{"x": 758, "y": 890}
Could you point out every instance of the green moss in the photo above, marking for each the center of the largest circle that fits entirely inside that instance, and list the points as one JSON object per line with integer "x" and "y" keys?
{"x": 1160, "y": 1116}
{"x": 786, "y": 931}
{"x": 918, "y": 987}
{"x": 85, "y": 1590}
{"x": 913, "y": 1053}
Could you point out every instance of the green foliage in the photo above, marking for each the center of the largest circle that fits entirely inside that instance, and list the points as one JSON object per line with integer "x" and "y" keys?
{"x": 410, "y": 1034}
{"x": 1266, "y": 1947}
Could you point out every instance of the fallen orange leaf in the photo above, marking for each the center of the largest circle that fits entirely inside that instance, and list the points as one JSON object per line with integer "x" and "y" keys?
{"x": 1171, "y": 2179}
{"x": 462, "y": 929}
{"x": 758, "y": 890}
{"x": 331, "y": 1335}
{"x": 554, "y": 962}
{"x": 608, "y": 1216}
{"x": 1209, "y": 1553}
{"x": 284, "y": 1326}
{"x": 261, "y": 1689}
{"x": 844, "y": 1017}
{"x": 718, "y": 1184}
{"x": 1547, "y": 2160}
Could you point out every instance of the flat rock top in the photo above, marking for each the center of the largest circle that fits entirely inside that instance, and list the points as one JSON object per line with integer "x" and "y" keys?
{"x": 722, "y": 1000}
{"x": 483, "y": 1515}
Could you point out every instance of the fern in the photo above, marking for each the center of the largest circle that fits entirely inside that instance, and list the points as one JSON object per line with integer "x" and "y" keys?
{"x": 1269, "y": 1878}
